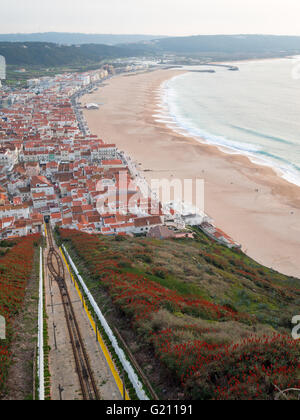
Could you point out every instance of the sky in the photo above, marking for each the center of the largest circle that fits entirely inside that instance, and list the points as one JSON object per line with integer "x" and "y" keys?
{"x": 155, "y": 17}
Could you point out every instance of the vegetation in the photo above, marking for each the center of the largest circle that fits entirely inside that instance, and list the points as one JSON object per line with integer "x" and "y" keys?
{"x": 77, "y": 38}
{"x": 49, "y": 55}
{"x": 230, "y": 44}
{"x": 80, "y": 50}
{"x": 16, "y": 267}
{"x": 218, "y": 322}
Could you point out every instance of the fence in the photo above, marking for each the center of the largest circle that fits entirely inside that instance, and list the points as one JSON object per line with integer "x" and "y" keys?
{"x": 41, "y": 333}
{"x": 120, "y": 353}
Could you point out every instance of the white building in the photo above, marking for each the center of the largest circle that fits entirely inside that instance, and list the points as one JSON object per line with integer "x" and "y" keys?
{"x": 15, "y": 185}
{"x": 104, "y": 152}
{"x": 19, "y": 212}
{"x": 85, "y": 79}
{"x": 8, "y": 156}
{"x": 40, "y": 184}
{"x": 142, "y": 225}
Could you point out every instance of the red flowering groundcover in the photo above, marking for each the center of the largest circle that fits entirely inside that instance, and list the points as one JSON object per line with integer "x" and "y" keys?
{"x": 250, "y": 368}
{"x": 15, "y": 269}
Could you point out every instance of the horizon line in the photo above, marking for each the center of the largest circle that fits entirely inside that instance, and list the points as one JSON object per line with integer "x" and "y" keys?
{"x": 149, "y": 34}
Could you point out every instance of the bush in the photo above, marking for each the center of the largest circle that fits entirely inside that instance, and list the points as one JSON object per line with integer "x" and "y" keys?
{"x": 7, "y": 244}
{"x": 145, "y": 258}
{"x": 124, "y": 264}
{"x": 160, "y": 272}
{"x": 120, "y": 238}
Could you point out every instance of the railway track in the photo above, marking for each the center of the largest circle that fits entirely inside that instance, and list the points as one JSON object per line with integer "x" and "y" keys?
{"x": 86, "y": 379}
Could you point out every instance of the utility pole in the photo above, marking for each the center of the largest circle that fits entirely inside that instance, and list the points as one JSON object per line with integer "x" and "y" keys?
{"x": 60, "y": 390}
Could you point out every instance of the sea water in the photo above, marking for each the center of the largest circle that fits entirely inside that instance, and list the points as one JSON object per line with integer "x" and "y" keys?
{"x": 254, "y": 111}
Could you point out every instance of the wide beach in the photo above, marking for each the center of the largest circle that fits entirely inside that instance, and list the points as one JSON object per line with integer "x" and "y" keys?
{"x": 248, "y": 201}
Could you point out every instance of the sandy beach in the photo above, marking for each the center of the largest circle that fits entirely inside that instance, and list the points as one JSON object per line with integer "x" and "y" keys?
{"x": 249, "y": 202}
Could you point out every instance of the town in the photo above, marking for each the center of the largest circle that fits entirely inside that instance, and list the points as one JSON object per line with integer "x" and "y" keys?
{"x": 52, "y": 168}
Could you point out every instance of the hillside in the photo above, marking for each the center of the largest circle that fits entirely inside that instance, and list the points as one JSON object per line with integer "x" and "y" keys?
{"x": 203, "y": 321}
{"x": 230, "y": 44}
{"x": 18, "y": 305}
{"x": 226, "y": 47}
{"x": 77, "y": 38}
{"x": 213, "y": 47}
{"x": 47, "y": 54}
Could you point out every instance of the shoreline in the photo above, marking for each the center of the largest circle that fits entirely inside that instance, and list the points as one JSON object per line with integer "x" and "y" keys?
{"x": 164, "y": 115}
{"x": 248, "y": 201}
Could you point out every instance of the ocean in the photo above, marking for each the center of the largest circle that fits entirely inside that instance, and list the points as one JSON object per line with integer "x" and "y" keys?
{"x": 254, "y": 111}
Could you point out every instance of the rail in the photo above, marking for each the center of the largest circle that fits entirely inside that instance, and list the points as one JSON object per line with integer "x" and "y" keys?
{"x": 120, "y": 353}
{"x": 85, "y": 375}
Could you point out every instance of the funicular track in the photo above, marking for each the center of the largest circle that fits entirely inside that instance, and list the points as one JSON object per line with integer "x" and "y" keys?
{"x": 86, "y": 379}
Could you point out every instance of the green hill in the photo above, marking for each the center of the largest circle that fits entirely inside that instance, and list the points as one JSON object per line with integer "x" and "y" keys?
{"x": 232, "y": 44}
{"x": 48, "y": 54}
{"x": 204, "y": 322}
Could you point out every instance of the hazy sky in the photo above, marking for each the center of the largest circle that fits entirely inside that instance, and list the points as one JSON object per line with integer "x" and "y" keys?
{"x": 165, "y": 17}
